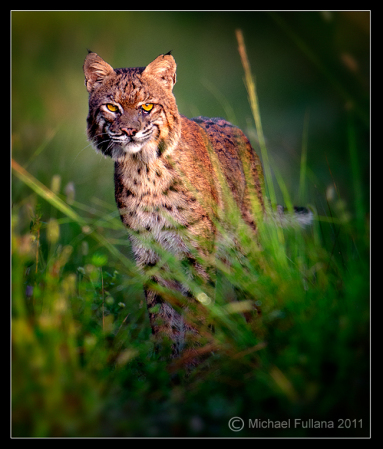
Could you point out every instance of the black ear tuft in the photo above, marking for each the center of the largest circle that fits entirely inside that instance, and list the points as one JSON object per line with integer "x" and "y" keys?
{"x": 168, "y": 53}
{"x": 89, "y": 51}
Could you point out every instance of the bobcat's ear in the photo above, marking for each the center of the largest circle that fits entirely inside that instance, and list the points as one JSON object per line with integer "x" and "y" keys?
{"x": 95, "y": 70}
{"x": 164, "y": 69}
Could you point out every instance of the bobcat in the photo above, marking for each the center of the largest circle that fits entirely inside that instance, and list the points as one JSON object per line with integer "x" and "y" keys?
{"x": 170, "y": 172}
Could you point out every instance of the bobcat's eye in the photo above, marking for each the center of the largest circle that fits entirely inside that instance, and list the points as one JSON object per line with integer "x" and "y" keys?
{"x": 112, "y": 107}
{"x": 147, "y": 107}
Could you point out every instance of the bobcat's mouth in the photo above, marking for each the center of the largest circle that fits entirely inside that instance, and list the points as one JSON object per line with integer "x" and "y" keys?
{"x": 127, "y": 141}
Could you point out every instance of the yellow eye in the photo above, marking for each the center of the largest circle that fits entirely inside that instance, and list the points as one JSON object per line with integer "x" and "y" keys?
{"x": 112, "y": 107}
{"x": 147, "y": 107}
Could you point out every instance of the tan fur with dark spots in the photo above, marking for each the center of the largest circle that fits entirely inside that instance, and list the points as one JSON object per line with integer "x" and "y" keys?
{"x": 171, "y": 172}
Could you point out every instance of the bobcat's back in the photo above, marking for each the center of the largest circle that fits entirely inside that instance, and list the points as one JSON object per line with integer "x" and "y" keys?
{"x": 237, "y": 160}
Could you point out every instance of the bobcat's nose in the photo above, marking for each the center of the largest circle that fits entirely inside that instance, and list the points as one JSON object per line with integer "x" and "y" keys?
{"x": 129, "y": 131}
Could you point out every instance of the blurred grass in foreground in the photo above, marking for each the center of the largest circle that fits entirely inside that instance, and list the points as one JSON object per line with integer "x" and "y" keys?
{"x": 83, "y": 363}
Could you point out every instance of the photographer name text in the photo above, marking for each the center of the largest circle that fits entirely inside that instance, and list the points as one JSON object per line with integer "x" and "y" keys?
{"x": 304, "y": 424}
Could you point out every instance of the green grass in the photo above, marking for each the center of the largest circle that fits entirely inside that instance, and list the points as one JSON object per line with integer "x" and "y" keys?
{"x": 84, "y": 365}
{"x": 83, "y": 361}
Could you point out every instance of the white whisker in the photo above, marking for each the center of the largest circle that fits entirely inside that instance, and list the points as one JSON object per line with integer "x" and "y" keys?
{"x": 92, "y": 143}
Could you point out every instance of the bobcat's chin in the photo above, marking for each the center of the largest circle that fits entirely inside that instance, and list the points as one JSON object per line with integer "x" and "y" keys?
{"x": 119, "y": 151}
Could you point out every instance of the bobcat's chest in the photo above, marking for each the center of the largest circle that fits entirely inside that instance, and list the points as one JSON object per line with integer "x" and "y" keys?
{"x": 150, "y": 197}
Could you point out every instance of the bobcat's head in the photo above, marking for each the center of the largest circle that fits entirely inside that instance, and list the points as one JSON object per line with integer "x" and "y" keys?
{"x": 132, "y": 110}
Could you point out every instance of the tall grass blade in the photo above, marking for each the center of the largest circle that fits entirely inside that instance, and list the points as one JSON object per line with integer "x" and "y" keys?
{"x": 45, "y": 193}
{"x": 303, "y": 167}
{"x": 253, "y": 99}
{"x": 355, "y": 170}
{"x": 59, "y": 204}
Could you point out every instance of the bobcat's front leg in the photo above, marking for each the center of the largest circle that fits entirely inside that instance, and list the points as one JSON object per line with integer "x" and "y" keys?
{"x": 165, "y": 321}
{"x": 176, "y": 316}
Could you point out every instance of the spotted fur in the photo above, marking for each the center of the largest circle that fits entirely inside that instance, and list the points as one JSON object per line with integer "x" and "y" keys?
{"x": 171, "y": 173}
